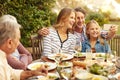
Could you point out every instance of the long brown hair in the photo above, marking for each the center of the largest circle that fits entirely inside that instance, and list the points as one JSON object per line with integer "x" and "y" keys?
{"x": 63, "y": 15}
{"x": 88, "y": 25}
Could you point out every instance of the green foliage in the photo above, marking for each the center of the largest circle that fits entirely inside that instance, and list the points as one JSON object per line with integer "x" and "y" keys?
{"x": 99, "y": 17}
{"x": 31, "y": 14}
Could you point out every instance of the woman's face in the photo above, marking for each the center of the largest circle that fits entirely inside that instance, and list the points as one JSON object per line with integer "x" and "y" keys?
{"x": 70, "y": 21}
{"x": 80, "y": 19}
{"x": 94, "y": 30}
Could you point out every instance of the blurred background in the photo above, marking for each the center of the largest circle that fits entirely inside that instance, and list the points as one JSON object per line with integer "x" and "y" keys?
{"x": 35, "y": 14}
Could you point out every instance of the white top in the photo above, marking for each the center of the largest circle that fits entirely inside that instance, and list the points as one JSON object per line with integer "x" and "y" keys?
{"x": 7, "y": 72}
{"x": 53, "y": 44}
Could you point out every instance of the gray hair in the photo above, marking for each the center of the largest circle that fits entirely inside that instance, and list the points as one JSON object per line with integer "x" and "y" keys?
{"x": 8, "y": 17}
{"x": 8, "y": 28}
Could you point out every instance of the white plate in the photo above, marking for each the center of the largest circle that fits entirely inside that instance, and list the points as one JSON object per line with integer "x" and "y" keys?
{"x": 66, "y": 64}
{"x": 98, "y": 77}
{"x": 34, "y": 66}
{"x": 65, "y": 56}
{"x": 102, "y": 55}
{"x": 50, "y": 76}
{"x": 80, "y": 54}
{"x": 53, "y": 76}
{"x": 116, "y": 75}
{"x": 84, "y": 76}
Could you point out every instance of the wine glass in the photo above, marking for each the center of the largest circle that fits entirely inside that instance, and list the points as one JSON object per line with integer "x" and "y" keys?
{"x": 89, "y": 55}
{"x": 58, "y": 57}
{"x": 114, "y": 56}
{"x": 78, "y": 49}
{"x": 66, "y": 73}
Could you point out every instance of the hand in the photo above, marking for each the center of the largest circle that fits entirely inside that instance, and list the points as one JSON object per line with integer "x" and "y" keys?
{"x": 43, "y": 32}
{"x": 113, "y": 29}
{"x": 41, "y": 71}
{"x": 112, "y": 32}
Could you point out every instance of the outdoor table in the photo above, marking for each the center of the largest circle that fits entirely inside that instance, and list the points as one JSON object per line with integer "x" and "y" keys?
{"x": 45, "y": 59}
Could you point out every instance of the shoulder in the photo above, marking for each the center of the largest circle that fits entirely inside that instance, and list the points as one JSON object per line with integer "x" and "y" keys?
{"x": 72, "y": 35}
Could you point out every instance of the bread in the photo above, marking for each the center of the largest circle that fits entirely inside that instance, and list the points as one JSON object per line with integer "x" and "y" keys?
{"x": 79, "y": 63}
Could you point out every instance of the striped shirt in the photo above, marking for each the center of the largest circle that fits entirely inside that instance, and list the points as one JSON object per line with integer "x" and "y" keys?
{"x": 53, "y": 44}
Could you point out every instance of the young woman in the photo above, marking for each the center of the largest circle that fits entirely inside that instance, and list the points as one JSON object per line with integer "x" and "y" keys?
{"x": 95, "y": 42}
{"x": 60, "y": 36}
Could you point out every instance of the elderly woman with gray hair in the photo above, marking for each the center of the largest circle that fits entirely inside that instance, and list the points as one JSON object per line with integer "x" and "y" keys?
{"x": 9, "y": 41}
{"x": 21, "y": 57}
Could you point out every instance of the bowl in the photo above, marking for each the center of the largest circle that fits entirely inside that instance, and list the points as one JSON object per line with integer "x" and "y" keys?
{"x": 84, "y": 76}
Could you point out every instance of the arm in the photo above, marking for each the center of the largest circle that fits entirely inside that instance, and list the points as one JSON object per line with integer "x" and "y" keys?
{"x": 15, "y": 63}
{"x": 47, "y": 45}
{"x": 43, "y": 32}
{"x": 26, "y": 74}
{"x": 22, "y": 50}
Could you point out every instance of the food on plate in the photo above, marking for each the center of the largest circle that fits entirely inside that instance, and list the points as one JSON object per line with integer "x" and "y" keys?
{"x": 98, "y": 69}
{"x": 100, "y": 55}
{"x": 36, "y": 66}
{"x": 61, "y": 56}
{"x": 97, "y": 78}
{"x": 78, "y": 54}
{"x": 65, "y": 64}
{"x": 52, "y": 76}
{"x": 84, "y": 76}
{"x": 42, "y": 78}
{"x": 39, "y": 65}
{"x": 79, "y": 63}
{"x": 104, "y": 55}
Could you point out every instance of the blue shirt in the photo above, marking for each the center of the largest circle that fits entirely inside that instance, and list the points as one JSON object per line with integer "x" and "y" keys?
{"x": 98, "y": 46}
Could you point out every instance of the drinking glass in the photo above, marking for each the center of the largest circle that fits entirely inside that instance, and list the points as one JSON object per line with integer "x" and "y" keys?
{"x": 89, "y": 55}
{"x": 58, "y": 57}
{"x": 66, "y": 73}
{"x": 78, "y": 48}
{"x": 114, "y": 58}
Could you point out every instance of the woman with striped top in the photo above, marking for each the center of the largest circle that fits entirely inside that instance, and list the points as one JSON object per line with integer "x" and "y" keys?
{"x": 60, "y": 37}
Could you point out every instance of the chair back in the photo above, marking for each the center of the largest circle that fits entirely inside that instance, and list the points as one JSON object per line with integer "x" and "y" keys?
{"x": 115, "y": 44}
{"x": 37, "y": 46}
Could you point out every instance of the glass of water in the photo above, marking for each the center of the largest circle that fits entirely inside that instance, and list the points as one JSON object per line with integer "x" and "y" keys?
{"x": 89, "y": 55}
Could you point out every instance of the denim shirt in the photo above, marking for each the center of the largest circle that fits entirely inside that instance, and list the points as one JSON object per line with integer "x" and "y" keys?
{"x": 98, "y": 46}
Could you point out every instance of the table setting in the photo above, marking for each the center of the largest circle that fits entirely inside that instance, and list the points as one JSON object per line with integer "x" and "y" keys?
{"x": 77, "y": 67}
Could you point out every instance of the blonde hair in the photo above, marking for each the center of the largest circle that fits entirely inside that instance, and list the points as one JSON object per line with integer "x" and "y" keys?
{"x": 8, "y": 29}
{"x": 88, "y": 25}
{"x": 63, "y": 15}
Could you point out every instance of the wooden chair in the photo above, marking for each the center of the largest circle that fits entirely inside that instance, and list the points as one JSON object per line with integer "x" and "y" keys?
{"x": 115, "y": 44}
{"x": 37, "y": 46}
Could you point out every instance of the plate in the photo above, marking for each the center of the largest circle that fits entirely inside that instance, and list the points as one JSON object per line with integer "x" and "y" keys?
{"x": 98, "y": 77}
{"x": 50, "y": 76}
{"x": 80, "y": 54}
{"x": 66, "y": 64}
{"x": 117, "y": 75}
{"x": 64, "y": 56}
{"x": 84, "y": 76}
{"x": 36, "y": 65}
{"x": 98, "y": 55}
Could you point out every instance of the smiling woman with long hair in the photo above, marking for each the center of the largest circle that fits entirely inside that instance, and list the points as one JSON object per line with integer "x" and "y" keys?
{"x": 60, "y": 37}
